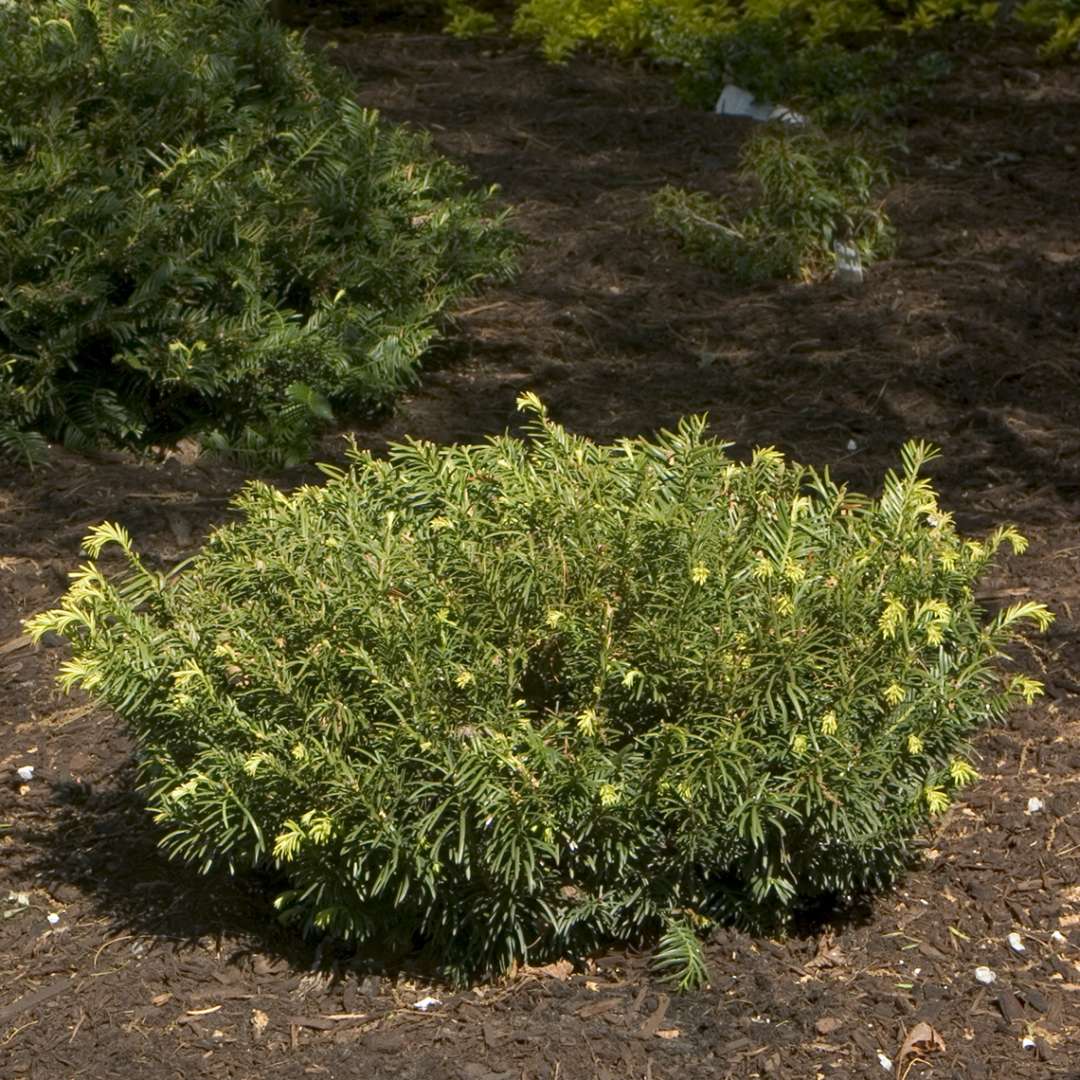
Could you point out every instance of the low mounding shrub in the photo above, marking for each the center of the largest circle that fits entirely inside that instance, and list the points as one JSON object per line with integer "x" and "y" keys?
{"x": 203, "y": 233}
{"x": 521, "y": 697}
{"x": 813, "y": 190}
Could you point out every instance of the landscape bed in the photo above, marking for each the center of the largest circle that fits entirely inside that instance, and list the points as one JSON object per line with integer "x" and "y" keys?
{"x": 966, "y": 338}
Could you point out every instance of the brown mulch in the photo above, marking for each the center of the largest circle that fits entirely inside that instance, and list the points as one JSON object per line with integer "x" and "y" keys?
{"x": 969, "y": 338}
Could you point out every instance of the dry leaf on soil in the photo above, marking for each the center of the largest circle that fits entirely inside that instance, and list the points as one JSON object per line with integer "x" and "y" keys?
{"x": 561, "y": 970}
{"x": 259, "y": 1021}
{"x": 921, "y": 1039}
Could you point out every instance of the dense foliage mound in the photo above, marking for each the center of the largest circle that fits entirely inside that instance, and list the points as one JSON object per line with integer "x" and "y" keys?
{"x": 522, "y": 697}
{"x": 203, "y": 232}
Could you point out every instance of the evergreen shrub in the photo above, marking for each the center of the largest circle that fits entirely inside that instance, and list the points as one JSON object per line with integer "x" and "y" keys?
{"x": 812, "y": 191}
{"x": 863, "y": 80}
{"x": 692, "y": 34}
{"x": 626, "y": 26}
{"x": 523, "y": 697}
{"x": 204, "y": 233}
{"x": 463, "y": 20}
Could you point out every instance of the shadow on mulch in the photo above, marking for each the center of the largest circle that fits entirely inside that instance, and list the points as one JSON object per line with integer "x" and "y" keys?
{"x": 100, "y": 843}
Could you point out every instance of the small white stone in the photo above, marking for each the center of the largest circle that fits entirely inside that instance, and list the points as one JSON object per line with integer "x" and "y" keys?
{"x": 1016, "y": 943}
{"x": 1035, "y": 805}
{"x": 985, "y": 975}
{"x": 53, "y": 918}
{"x": 885, "y": 1061}
{"x": 1027, "y": 1042}
{"x": 852, "y": 444}
{"x": 426, "y": 1003}
{"x": 1058, "y": 936}
{"x": 26, "y": 772}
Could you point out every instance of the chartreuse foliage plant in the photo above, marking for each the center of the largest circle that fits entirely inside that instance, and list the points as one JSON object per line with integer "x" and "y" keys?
{"x": 713, "y": 40}
{"x": 1062, "y": 19}
{"x": 520, "y": 698}
{"x": 627, "y": 26}
{"x": 812, "y": 191}
{"x": 463, "y": 20}
{"x": 204, "y": 233}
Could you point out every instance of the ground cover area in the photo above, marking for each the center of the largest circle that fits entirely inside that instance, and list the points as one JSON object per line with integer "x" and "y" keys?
{"x": 969, "y": 338}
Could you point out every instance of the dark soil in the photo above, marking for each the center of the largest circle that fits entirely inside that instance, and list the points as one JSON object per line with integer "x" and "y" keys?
{"x": 969, "y": 338}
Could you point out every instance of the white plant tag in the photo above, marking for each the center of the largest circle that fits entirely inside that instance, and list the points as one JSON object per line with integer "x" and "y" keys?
{"x": 849, "y": 267}
{"x": 735, "y": 101}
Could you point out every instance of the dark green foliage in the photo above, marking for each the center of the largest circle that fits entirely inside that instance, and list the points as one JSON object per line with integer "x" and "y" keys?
{"x": 532, "y": 695}
{"x": 202, "y": 231}
{"x": 835, "y": 83}
{"x": 813, "y": 191}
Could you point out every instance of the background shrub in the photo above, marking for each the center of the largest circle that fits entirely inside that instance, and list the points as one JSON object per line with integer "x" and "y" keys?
{"x": 465, "y": 21}
{"x": 203, "y": 232}
{"x": 812, "y": 190}
{"x": 627, "y": 26}
{"x": 525, "y": 696}
{"x": 693, "y": 35}
{"x": 862, "y": 80}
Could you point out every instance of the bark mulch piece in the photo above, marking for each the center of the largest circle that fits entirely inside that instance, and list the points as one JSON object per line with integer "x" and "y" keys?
{"x": 969, "y": 338}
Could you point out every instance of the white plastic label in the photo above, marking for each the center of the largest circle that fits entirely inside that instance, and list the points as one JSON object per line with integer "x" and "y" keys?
{"x": 735, "y": 101}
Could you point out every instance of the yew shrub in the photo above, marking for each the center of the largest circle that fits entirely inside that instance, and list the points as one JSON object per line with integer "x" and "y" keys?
{"x": 204, "y": 234}
{"x": 523, "y": 697}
